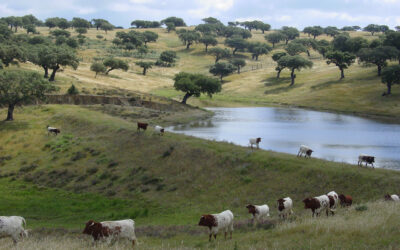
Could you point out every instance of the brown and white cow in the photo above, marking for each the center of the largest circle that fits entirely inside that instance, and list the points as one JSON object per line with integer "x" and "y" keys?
{"x": 317, "y": 204}
{"x": 111, "y": 230}
{"x": 333, "y": 202}
{"x": 255, "y": 141}
{"x": 367, "y": 159}
{"x": 215, "y": 222}
{"x": 141, "y": 125}
{"x": 285, "y": 206}
{"x": 53, "y": 130}
{"x": 345, "y": 200}
{"x": 393, "y": 197}
{"x": 259, "y": 212}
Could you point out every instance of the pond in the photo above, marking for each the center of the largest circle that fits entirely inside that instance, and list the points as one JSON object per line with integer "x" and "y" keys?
{"x": 334, "y": 137}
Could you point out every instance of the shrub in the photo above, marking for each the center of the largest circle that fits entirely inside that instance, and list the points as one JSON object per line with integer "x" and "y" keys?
{"x": 99, "y": 37}
{"x": 361, "y": 208}
{"x": 92, "y": 170}
{"x": 72, "y": 90}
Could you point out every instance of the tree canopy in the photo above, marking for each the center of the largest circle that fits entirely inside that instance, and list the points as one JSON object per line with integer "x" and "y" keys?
{"x": 178, "y": 22}
{"x": 378, "y": 56}
{"x": 195, "y": 85}
{"x": 145, "y": 24}
{"x": 188, "y": 37}
{"x": 236, "y": 43}
{"x": 390, "y": 76}
{"x": 294, "y": 63}
{"x": 115, "y": 63}
{"x": 145, "y": 66}
{"x": 238, "y": 63}
{"x": 290, "y": 33}
{"x": 342, "y": 60}
{"x": 208, "y": 40}
{"x": 275, "y": 37}
{"x": 276, "y": 56}
{"x": 257, "y": 49}
{"x": 167, "y": 58}
{"x": 98, "y": 68}
{"x": 220, "y": 53}
{"x": 222, "y": 69}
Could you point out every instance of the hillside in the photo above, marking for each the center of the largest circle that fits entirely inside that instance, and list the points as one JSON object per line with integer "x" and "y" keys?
{"x": 101, "y": 168}
{"x": 317, "y": 88}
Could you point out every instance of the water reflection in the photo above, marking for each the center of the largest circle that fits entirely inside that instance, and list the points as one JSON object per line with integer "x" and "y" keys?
{"x": 333, "y": 136}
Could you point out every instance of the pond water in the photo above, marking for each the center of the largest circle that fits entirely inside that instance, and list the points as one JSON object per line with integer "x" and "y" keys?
{"x": 333, "y": 137}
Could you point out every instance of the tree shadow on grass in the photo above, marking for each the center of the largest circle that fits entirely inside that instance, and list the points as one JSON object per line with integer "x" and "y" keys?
{"x": 13, "y": 125}
{"x": 327, "y": 84}
{"x": 282, "y": 89}
{"x": 273, "y": 81}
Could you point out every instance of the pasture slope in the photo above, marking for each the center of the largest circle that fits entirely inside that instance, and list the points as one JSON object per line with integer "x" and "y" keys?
{"x": 101, "y": 168}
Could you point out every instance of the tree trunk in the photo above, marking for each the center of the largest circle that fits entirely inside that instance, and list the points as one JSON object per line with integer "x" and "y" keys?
{"x": 217, "y": 59}
{"x": 287, "y": 41}
{"x": 206, "y": 47}
{"x": 95, "y": 75}
{"x": 187, "y": 95}
{"x": 221, "y": 77}
{"x": 379, "y": 70}
{"x": 315, "y": 37}
{"x": 308, "y": 53}
{"x": 238, "y": 69}
{"x": 273, "y": 45}
{"x": 292, "y": 75}
{"x": 53, "y": 74}
{"x": 10, "y": 112}
{"x": 46, "y": 72}
{"x": 109, "y": 71}
{"x": 341, "y": 73}
{"x": 257, "y": 57}
{"x": 188, "y": 45}
{"x": 234, "y": 51}
{"x": 389, "y": 88}
{"x": 144, "y": 71}
{"x": 278, "y": 74}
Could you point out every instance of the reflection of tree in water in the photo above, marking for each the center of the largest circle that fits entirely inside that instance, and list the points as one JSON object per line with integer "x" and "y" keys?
{"x": 202, "y": 124}
{"x": 285, "y": 114}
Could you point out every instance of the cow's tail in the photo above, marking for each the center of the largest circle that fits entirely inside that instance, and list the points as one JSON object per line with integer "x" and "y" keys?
{"x": 23, "y": 220}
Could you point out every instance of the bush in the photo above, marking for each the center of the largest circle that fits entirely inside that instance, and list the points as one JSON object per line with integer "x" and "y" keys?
{"x": 99, "y": 37}
{"x": 72, "y": 90}
{"x": 361, "y": 208}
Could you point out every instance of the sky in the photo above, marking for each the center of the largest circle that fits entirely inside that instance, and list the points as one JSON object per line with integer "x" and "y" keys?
{"x": 278, "y": 13}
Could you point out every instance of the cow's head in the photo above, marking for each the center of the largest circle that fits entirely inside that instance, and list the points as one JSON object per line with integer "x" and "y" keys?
{"x": 251, "y": 208}
{"x": 162, "y": 130}
{"x": 91, "y": 227}
{"x": 388, "y": 197}
{"x": 331, "y": 201}
{"x": 342, "y": 198}
{"x": 208, "y": 220}
{"x": 281, "y": 206}
{"x": 308, "y": 203}
{"x": 258, "y": 140}
{"x": 371, "y": 159}
{"x": 309, "y": 152}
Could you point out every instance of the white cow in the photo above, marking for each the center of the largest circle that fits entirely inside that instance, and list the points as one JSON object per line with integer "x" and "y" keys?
{"x": 259, "y": 212}
{"x": 393, "y": 197}
{"x": 307, "y": 151}
{"x": 285, "y": 206}
{"x": 215, "y": 222}
{"x": 255, "y": 141}
{"x": 159, "y": 130}
{"x": 13, "y": 226}
{"x": 333, "y": 201}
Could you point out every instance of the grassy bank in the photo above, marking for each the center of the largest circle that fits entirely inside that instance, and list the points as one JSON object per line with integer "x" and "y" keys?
{"x": 171, "y": 180}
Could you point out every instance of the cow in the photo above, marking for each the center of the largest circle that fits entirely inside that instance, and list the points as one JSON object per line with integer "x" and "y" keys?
{"x": 285, "y": 206}
{"x": 258, "y": 212}
{"x": 141, "y": 125}
{"x": 111, "y": 230}
{"x": 215, "y": 222}
{"x": 317, "y": 204}
{"x": 393, "y": 197}
{"x": 367, "y": 159}
{"x": 159, "y": 130}
{"x": 333, "y": 202}
{"x": 14, "y": 227}
{"x": 345, "y": 200}
{"x": 53, "y": 130}
{"x": 307, "y": 151}
{"x": 255, "y": 141}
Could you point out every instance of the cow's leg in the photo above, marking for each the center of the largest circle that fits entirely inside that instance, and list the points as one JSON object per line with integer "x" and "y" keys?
{"x": 327, "y": 212}
{"x": 133, "y": 243}
{"x": 215, "y": 236}
{"x": 226, "y": 234}
{"x": 231, "y": 234}
{"x": 209, "y": 237}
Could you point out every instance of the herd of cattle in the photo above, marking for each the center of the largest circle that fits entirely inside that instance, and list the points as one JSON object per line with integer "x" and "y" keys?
{"x": 111, "y": 231}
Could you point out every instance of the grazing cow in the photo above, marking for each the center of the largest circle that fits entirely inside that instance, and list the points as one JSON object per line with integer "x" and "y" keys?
{"x": 215, "y": 222}
{"x": 333, "y": 202}
{"x": 317, "y": 204}
{"x": 159, "y": 130}
{"x": 367, "y": 159}
{"x": 255, "y": 141}
{"x": 111, "y": 230}
{"x": 307, "y": 151}
{"x": 285, "y": 206}
{"x": 345, "y": 200}
{"x": 393, "y": 197}
{"x": 141, "y": 125}
{"x": 55, "y": 131}
{"x": 13, "y": 226}
{"x": 258, "y": 212}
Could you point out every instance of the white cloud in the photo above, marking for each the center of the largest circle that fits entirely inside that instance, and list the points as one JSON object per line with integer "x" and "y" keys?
{"x": 141, "y": 1}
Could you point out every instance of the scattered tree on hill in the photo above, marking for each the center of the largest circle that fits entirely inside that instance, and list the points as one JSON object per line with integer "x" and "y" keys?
{"x": 220, "y": 53}
{"x": 51, "y": 22}
{"x": 178, "y": 22}
{"x": 392, "y": 39}
{"x": 170, "y": 27}
{"x": 72, "y": 90}
{"x": 378, "y": 56}
{"x": 211, "y": 20}
{"x": 275, "y": 37}
{"x": 205, "y": 28}
{"x": 235, "y": 32}
{"x": 81, "y": 30}
{"x": 5, "y": 32}
{"x": 281, "y": 67}
{"x": 61, "y": 56}
{"x": 308, "y": 43}
{"x": 59, "y": 32}
{"x": 129, "y": 40}
{"x": 323, "y": 46}
{"x": 342, "y": 60}
{"x": 293, "y": 63}
{"x": 107, "y": 27}
{"x": 149, "y": 36}
{"x": 331, "y": 31}
{"x": 222, "y": 69}
{"x": 257, "y": 49}
{"x": 290, "y": 33}
{"x": 78, "y": 22}
{"x": 236, "y": 43}
{"x": 11, "y": 54}
{"x": 19, "y": 87}
{"x": 167, "y": 58}
{"x": 372, "y": 28}
{"x": 307, "y": 30}
{"x": 145, "y": 24}
{"x": 195, "y": 85}
{"x": 98, "y": 23}
{"x": 63, "y": 23}
{"x": 188, "y": 37}
{"x": 390, "y": 76}
{"x": 145, "y": 66}
{"x": 316, "y": 31}
{"x": 208, "y": 40}
{"x": 114, "y": 63}
{"x": 344, "y": 42}
{"x": 295, "y": 48}
{"x": 98, "y": 68}
{"x": 238, "y": 63}
{"x": 375, "y": 43}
